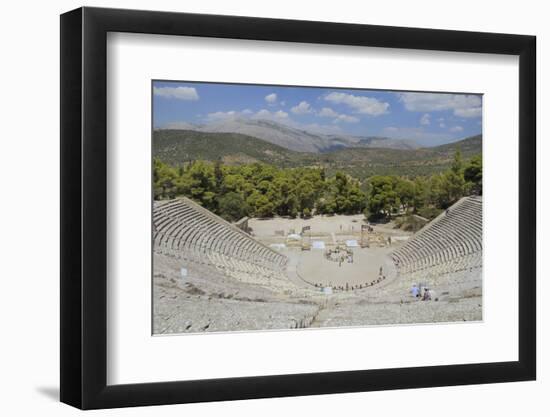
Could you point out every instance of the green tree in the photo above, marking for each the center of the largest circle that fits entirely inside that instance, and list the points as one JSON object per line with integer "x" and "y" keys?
{"x": 405, "y": 189}
{"x": 449, "y": 187}
{"x": 421, "y": 194}
{"x": 233, "y": 183}
{"x": 199, "y": 183}
{"x": 383, "y": 199}
{"x": 260, "y": 205}
{"x": 164, "y": 180}
{"x": 346, "y": 195}
{"x": 218, "y": 174}
{"x": 305, "y": 194}
{"x": 326, "y": 205}
{"x": 473, "y": 174}
{"x": 232, "y": 206}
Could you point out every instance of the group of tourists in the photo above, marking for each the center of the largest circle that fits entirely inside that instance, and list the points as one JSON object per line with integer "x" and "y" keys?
{"x": 340, "y": 255}
{"x": 349, "y": 287}
{"x": 422, "y": 293}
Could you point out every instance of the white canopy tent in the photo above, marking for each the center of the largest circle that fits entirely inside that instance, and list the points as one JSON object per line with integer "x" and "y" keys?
{"x": 294, "y": 236}
{"x": 318, "y": 244}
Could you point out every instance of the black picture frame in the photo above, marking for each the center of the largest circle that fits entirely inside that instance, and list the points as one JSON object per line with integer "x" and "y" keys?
{"x": 84, "y": 207}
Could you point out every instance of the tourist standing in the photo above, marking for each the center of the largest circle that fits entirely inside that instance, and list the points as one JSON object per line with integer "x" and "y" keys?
{"x": 427, "y": 296}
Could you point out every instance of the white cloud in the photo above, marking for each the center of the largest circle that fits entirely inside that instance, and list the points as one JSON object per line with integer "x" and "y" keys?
{"x": 222, "y": 115}
{"x": 346, "y": 118}
{"x": 271, "y": 98}
{"x": 283, "y": 103}
{"x": 442, "y": 125}
{"x": 471, "y": 112}
{"x": 303, "y": 108}
{"x": 266, "y": 114}
{"x": 327, "y": 112}
{"x": 456, "y": 129}
{"x": 338, "y": 117}
{"x": 281, "y": 114}
{"x": 360, "y": 104}
{"x": 246, "y": 113}
{"x": 425, "y": 120}
{"x": 462, "y": 105}
{"x": 180, "y": 93}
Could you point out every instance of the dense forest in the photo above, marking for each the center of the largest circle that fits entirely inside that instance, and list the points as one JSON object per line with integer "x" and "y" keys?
{"x": 264, "y": 190}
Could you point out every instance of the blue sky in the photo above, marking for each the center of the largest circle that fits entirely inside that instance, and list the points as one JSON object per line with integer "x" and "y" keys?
{"x": 427, "y": 118}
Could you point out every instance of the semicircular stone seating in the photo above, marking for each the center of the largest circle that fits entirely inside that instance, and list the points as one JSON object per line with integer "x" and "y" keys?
{"x": 451, "y": 243}
{"x": 186, "y": 230}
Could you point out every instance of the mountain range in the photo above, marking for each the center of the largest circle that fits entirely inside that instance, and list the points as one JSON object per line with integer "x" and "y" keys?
{"x": 177, "y": 146}
{"x": 293, "y": 138}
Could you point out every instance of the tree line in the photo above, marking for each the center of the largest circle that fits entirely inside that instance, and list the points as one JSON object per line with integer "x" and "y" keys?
{"x": 264, "y": 190}
{"x": 426, "y": 196}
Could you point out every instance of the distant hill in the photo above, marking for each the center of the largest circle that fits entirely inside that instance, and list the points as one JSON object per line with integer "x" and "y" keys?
{"x": 294, "y": 139}
{"x": 384, "y": 142}
{"x": 179, "y": 146}
{"x": 365, "y": 162}
{"x": 469, "y": 146}
{"x": 272, "y": 132}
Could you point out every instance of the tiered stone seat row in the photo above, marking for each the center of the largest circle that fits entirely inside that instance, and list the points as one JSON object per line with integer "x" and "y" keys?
{"x": 451, "y": 242}
{"x": 184, "y": 229}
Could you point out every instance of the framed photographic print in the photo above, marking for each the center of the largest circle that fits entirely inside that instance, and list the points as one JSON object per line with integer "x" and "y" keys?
{"x": 256, "y": 208}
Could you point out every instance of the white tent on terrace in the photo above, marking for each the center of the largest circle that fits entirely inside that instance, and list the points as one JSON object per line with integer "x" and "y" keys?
{"x": 318, "y": 244}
